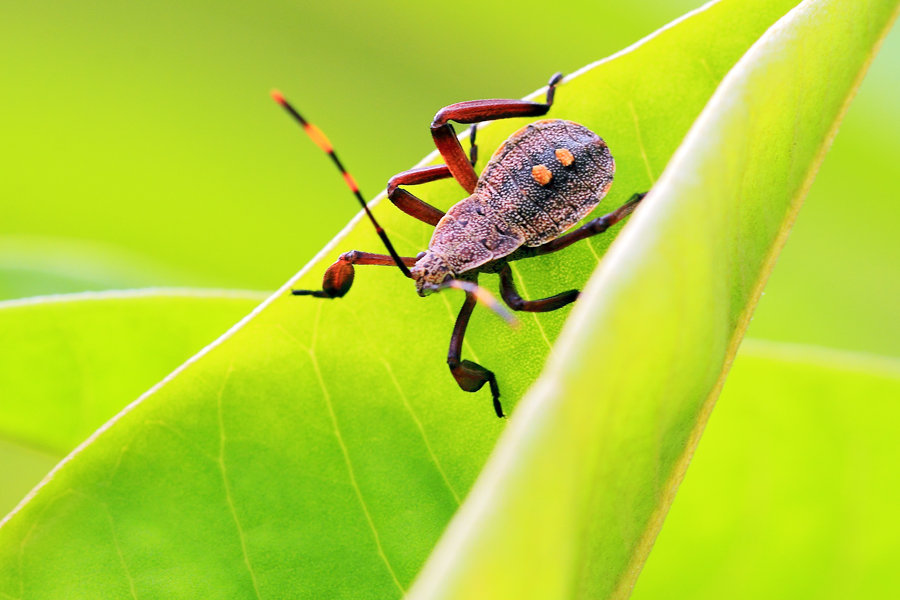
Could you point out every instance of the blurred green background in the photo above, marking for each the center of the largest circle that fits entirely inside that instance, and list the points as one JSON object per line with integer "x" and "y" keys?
{"x": 141, "y": 148}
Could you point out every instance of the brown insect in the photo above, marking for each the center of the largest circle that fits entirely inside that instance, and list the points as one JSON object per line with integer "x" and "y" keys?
{"x": 540, "y": 182}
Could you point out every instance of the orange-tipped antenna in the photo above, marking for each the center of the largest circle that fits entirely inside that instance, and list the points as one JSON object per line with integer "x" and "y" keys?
{"x": 483, "y": 296}
{"x": 322, "y": 142}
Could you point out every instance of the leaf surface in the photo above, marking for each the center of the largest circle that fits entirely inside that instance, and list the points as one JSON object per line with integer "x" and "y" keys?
{"x": 322, "y": 447}
{"x": 793, "y": 487}
{"x": 68, "y": 363}
{"x": 577, "y": 489}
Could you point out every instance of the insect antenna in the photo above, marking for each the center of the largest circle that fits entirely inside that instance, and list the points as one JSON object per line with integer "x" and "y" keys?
{"x": 322, "y": 142}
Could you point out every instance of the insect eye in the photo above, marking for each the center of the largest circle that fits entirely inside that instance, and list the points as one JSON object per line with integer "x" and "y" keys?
{"x": 420, "y": 255}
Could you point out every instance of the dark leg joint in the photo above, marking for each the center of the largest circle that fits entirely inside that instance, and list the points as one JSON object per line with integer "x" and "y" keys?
{"x": 471, "y": 377}
{"x": 551, "y": 87}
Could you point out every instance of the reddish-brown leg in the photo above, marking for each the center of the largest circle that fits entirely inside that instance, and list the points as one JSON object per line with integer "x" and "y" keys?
{"x": 339, "y": 277}
{"x": 516, "y": 302}
{"x": 475, "y": 111}
{"x": 470, "y": 376}
{"x": 411, "y": 205}
{"x": 591, "y": 228}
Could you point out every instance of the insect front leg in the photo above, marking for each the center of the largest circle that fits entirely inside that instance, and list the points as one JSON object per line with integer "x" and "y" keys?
{"x": 411, "y": 205}
{"x": 475, "y": 111}
{"x": 470, "y": 376}
{"x": 339, "y": 277}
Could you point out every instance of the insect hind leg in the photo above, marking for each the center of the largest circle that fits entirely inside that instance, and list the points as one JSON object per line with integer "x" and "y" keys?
{"x": 470, "y": 376}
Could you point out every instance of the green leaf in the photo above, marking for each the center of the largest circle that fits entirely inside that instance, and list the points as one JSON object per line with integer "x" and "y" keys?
{"x": 794, "y": 485}
{"x": 322, "y": 447}
{"x": 576, "y": 490}
{"x": 35, "y": 266}
{"x": 96, "y": 352}
{"x": 69, "y": 363}
{"x": 22, "y": 468}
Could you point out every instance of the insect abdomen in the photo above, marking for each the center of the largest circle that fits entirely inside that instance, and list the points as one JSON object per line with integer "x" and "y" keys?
{"x": 545, "y": 178}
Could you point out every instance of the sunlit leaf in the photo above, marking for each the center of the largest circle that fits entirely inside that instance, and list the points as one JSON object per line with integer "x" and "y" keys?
{"x": 322, "y": 447}
{"x": 794, "y": 484}
{"x": 69, "y": 363}
{"x": 576, "y": 490}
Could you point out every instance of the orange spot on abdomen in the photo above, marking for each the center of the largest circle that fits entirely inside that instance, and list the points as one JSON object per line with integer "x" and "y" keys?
{"x": 541, "y": 174}
{"x": 564, "y": 156}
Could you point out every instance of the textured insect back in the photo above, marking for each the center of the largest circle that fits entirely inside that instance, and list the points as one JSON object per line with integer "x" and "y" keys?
{"x": 469, "y": 236}
{"x": 546, "y": 177}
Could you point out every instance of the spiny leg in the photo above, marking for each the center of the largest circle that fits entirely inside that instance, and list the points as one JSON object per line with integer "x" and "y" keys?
{"x": 470, "y": 376}
{"x": 591, "y": 228}
{"x": 516, "y": 302}
{"x": 474, "y": 111}
{"x": 339, "y": 277}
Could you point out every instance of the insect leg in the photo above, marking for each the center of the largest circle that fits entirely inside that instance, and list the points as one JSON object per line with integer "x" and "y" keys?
{"x": 410, "y": 204}
{"x": 516, "y": 302}
{"x": 470, "y": 376}
{"x": 473, "y": 147}
{"x": 591, "y": 228}
{"x": 339, "y": 277}
{"x": 475, "y": 111}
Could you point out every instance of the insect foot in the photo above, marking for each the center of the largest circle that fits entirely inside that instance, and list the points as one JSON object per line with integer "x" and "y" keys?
{"x": 336, "y": 282}
{"x": 471, "y": 377}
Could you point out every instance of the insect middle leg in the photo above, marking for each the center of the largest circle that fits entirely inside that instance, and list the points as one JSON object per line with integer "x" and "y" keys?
{"x": 474, "y": 111}
{"x": 470, "y": 376}
{"x": 512, "y": 298}
{"x": 593, "y": 227}
{"x": 339, "y": 277}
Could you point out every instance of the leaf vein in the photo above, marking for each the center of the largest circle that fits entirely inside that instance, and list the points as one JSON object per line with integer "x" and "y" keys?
{"x": 115, "y": 538}
{"x": 346, "y": 455}
{"x": 640, "y": 141}
{"x": 421, "y": 428}
{"x": 227, "y": 485}
{"x": 524, "y": 289}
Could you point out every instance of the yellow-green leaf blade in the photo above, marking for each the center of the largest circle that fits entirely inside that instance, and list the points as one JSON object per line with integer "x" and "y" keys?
{"x": 70, "y": 362}
{"x": 573, "y": 497}
{"x": 323, "y": 446}
{"x": 793, "y": 487}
